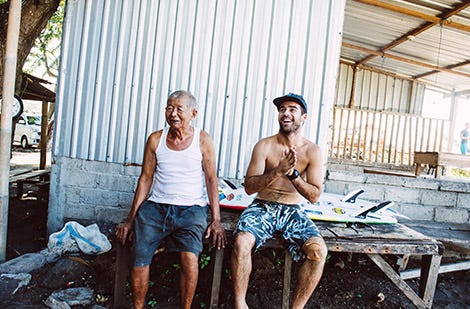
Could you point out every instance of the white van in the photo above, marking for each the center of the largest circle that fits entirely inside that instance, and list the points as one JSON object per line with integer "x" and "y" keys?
{"x": 28, "y": 130}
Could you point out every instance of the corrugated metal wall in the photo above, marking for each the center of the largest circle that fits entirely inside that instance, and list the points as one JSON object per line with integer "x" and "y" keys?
{"x": 121, "y": 59}
{"x": 378, "y": 92}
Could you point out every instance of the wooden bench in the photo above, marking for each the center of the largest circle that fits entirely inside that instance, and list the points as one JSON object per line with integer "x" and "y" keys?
{"x": 438, "y": 161}
{"x": 37, "y": 177}
{"x": 375, "y": 241}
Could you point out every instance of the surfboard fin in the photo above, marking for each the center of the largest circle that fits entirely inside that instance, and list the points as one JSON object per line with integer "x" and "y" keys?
{"x": 229, "y": 183}
{"x": 352, "y": 196}
{"x": 383, "y": 205}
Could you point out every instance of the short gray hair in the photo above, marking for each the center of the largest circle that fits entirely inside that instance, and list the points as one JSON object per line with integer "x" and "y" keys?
{"x": 183, "y": 93}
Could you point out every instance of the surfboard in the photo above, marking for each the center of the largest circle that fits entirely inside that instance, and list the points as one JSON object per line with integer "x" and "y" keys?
{"x": 334, "y": 208}
{"x": 330, "y": 207}
{"x": 232, "y": 197}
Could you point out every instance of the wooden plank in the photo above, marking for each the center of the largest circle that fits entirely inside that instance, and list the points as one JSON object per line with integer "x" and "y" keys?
{"x": 19, "y": 171}
{"x": 28, "y": 175}
{"x": 217, "y": 275}
{"x": 447, "y": 268}
{"x": 454, "y": 236}
{"x": 120, "y": 275}
{"x": 287, "y": 279}
{"x": 428, "y": 281}
{"x": 395, "y": 278}
{"x": 388, "y": 172}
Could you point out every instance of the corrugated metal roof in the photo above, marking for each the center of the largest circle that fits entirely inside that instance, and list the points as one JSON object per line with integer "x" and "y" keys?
{"x": 424, "y": 41}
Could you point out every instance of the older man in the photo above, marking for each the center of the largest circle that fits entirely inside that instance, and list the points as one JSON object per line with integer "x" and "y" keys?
{"x": 283, "y": 168}
{"x": 173, "y": 208}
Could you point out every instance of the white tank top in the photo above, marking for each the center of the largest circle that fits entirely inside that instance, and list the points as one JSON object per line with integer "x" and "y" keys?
{"x": 179, "y": 178}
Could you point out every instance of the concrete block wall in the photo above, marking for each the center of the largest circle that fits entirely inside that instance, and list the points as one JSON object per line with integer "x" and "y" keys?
{"x": 421, "y": 198}
{"x": 89, "y": 191}
{"x": 102, "y": 192}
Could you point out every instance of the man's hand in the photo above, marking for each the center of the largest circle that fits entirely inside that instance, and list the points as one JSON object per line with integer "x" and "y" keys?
{"x": 288, "y": 161}
{"x": 123, "y": 231}
{"x": 217, "y": 231}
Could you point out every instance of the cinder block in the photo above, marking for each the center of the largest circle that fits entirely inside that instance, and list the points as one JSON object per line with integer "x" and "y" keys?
{"x": 455, "y": 186}
{"x": 70, "y": 163}
{"x": 98, "y": 197}
{"x": 463, "y": 200}
{"x": 421, "y": 183}
{"x": 335, "y": 187}
{"x": 373, "y": 193}
{"x": 126, "y": 199}
{"x": 133, "y": 171}
{"x": 346, "y": 176}
{"x": 81, "y": 179}
{"x": 116, "y": 182}
{"x": 110, "y": 214}
{"x": 438, "y": 198}
{"x": 72, "y": 196}
{"x": 384, "y": 179}
{"x": 80, "y": 211}
{"x": 415, "y": 211}
{"x": 102, "y": 167}
{"x": 452, "y": 214}
{"x": 403, "y": 195}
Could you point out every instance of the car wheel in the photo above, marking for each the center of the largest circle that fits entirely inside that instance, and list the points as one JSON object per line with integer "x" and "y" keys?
{"x": 24, "y": 142}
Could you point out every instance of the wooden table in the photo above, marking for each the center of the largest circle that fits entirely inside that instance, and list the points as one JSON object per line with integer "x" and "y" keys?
{"x": 37, "y": 177}
{"x": 439, "y": 160}
{"x": 374, "y": 241}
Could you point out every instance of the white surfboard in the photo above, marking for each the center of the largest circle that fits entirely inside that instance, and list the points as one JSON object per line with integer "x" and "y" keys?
{"x": 330, "y": 207}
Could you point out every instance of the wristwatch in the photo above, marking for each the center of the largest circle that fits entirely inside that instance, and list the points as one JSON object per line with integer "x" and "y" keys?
{"x": 294, "y": 175}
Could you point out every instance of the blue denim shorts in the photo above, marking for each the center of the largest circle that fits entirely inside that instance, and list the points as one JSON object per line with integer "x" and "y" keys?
{"x": 181, "y": 227}
{"x": 264, "y": 218}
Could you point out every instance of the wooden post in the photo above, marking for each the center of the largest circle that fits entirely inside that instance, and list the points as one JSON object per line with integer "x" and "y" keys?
{"x": 9, "y": 74}
{"x": 43, "y": 141}
{"x": 453, "y": 113}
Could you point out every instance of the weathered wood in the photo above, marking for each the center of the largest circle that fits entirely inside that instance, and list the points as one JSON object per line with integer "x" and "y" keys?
{"x": 287, "y": 280}
{"x": 388, "y": 172}
{"x": 28, "y": 175}
{"x": 457, "y": 266}
{"x": 217, "y": 275}
{"x": 428, "y": 279}
{"x": 34, "y": 176}
{"x": 120, "y": 276}
{"x": 454, "y": 236}
{"x": 19, "y": 171}
{"x": 395, "y": 278}
{"x": 439, "y": 160}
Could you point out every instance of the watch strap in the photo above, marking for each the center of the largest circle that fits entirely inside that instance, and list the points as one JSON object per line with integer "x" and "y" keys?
{"x": 294, "y": 175}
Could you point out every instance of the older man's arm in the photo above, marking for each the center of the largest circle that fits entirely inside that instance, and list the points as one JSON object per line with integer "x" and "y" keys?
{"x": 143, "y": 186}
{"x": 215, "y": 228}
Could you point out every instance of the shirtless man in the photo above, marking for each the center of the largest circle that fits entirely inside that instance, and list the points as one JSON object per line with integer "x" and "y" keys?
{"x": 283, "y": 168}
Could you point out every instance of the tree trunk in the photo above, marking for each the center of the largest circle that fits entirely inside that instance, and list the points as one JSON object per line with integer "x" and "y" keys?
{"x": 34, "y": 17}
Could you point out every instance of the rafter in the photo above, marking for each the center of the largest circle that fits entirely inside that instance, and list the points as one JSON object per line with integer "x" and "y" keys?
{"x": 450, "y": 67}
{"x": 414, "y": 32}
{"x": 430, "y": 18}
{"x": 403, "y": 59}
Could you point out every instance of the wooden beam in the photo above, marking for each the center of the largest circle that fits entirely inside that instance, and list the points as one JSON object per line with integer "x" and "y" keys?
{"x": 397, "y": 75}
{"x": 450, "y": 67}
{"x": 413, "y": 32}
{"x": 403, "y": 59}
{"x": 416, "y": 272}
{"x": 429, "y": 18}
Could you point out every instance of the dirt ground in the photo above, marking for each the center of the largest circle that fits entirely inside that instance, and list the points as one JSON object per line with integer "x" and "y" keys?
{"x": 346, "y": 283}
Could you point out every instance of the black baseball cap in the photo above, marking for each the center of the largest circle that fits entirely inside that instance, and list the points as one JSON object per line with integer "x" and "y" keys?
{"x": 291, "y": 97}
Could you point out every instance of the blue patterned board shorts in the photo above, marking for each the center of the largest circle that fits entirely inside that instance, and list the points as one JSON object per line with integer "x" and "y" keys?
{"x": 181, "y": 227}
{"x": 264, "y": 218}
